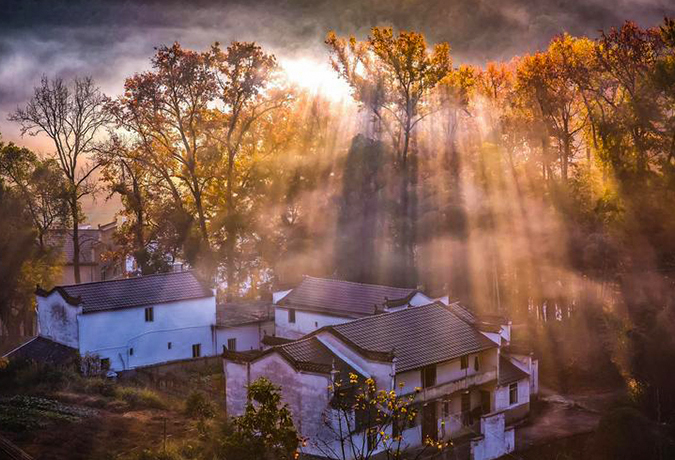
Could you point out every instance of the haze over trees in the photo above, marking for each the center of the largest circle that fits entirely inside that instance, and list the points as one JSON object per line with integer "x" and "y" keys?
{"x": 541, "y": 188}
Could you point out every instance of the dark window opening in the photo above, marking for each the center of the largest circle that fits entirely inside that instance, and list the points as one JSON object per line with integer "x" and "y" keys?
{"x": 149, "y": 314}
{"x": 485, "y": 402}
{"x": 168, "y": 345}
{"x": 105, "y": 364}
{"x": 316, "y": 324}
{"x": 196, "y": 350}
{"x": 291, "y": 315}
{"x": 464, "y": 362}
{"x": 476, "y": 364}
{"x": 466, "y": 409}
{"x": 232, "y": 344}
{"x": 131, "y": 352}
{"x": 513, "y": 393}
{"x": 429, "y": 376}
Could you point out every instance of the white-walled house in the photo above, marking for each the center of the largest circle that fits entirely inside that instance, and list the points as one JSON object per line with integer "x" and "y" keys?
{"x": 243, "y": 325}
{"x": 464, "y": 383}
{"x": 132, "y": 322}
{"x": 319, "y": 302}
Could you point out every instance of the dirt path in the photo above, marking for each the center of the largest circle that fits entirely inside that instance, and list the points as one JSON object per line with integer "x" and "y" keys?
{"x": 557, "y": 416}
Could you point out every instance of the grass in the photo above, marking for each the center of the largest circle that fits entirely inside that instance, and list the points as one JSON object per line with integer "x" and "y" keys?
{"x": 140, "y": 398}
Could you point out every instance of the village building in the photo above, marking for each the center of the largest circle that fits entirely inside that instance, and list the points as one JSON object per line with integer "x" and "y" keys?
{"x": 95, "y": 246}
{"x": 319, "y": 302}
{"x": 454, "y": 362}
{"x": 132, "y": 322}
{"x": 244, "y": 325}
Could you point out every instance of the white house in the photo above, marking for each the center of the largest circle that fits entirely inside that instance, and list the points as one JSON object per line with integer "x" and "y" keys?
{"x": 319, "y": 302}
{"x": 132, "y": 322}
{"x": 243, "y": 325}
{"x": 465, "y": 384}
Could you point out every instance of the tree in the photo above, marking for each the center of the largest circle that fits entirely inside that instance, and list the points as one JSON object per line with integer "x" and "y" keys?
{"x": 31, "y": 202}
{"x": 248, "y": 87}
{"x": 265, "y": 430}
{"x": 42, "y": 187}
{"x": 392, "y": 76}
{"x": 166, "y": 111}
{"x": 364, "y": 422}
{"x": 72, "y": 118}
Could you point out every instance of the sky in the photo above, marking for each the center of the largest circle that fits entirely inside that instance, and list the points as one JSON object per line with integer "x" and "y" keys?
{"x": 111, "y": 40}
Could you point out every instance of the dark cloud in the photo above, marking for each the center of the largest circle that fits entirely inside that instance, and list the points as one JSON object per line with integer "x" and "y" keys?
{"x": 114, "y": 39}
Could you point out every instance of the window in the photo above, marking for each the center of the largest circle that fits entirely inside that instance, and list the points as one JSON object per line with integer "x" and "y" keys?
{"x": 232, "y": 344}
{"x": 446, "y": 409}
{"x": 131, "y": 352}
{"x": 196, "y": 350}
{"x": 149, "y": 315}
{"x": 168, "y": 345}
{"x": 513, "y": 393}
{"x": 464, "y": 362}
{"x": 485, "y": 400}
{"x": 466, "y": 409}
{"x": 291, "y": 315}
{"x": 316, "y": 324}
{"x": 429, "y": 376}
{"x": 105, "y": 364}
{"x": 476, "y": 364}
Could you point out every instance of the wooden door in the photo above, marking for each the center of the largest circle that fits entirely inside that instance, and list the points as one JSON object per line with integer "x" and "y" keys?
{"x": 430, "y": 421}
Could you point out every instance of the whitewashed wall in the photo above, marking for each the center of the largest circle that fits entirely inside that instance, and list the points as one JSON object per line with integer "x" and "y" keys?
{"x": 248, "y": 335}
{"x": 57, "y": 320}
{"x": 305, "y": 322}
{"x": 111, "y": 334}
{"x": 502, "y": 395}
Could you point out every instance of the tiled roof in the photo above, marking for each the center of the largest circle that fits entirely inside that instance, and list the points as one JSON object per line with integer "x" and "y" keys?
{"x": 44, "y": 350}
{"x": 307, "y": 354}
{"x": 311, "y": 355}
{"x": 271, "y": 340}
{"x": 419, "y": 336}
{"x": 463, "y": 312}
{"x": 133, "y": 292}
{"x": 509, "y": 372}
{"x": 231, "y": 314}
{"x": 342, "y": 297}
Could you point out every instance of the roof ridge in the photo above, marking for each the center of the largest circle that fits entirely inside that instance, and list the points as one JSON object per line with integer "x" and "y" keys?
{"x": 125, "y": 279}
{"x": 389, "y": 313}
{"x": 357, "y": 283}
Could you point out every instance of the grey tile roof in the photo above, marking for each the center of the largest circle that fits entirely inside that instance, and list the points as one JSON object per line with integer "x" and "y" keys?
{"x": 342, "y": 297}
{"x": 232, "y": 314}
{"x": 44, "y": 350}
{"x": 133, "y": 292}
{"x": 463, "y": 312}
{"x": 509, "y": 372}
{"x": 419, "y": 336}
{"x": 311, "y": 355}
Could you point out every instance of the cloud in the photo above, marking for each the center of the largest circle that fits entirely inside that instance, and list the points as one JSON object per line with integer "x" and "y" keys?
{"x": 111, "y": 40}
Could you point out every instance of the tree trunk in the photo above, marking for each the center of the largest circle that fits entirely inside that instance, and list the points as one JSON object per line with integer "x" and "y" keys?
{"x": 76, "y": 239}
{"x": 231, "y": 234}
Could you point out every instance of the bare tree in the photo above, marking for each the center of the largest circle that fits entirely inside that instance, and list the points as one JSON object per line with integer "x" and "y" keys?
{"x": 71, "y": 118}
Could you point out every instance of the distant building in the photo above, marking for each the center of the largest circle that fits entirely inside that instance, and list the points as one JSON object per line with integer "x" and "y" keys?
{"x": 95, "y": 243}
{"x": 319, "y": 302}
{"x": 132, "y": 322}
{"x": 470, "y": 389}
{"x": 243, "y": 325}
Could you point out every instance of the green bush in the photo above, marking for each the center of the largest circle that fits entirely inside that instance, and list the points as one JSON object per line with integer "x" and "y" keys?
{"x": 198, "y": 405}
{"x": 140, "y": 397}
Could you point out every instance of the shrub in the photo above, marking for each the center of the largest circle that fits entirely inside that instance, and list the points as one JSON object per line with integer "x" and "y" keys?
{"x": 140, "y": 397}
{"x": 198, "y": 405}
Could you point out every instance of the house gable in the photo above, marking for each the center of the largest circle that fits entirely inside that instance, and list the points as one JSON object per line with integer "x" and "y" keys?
{"x": 57, "y": 316}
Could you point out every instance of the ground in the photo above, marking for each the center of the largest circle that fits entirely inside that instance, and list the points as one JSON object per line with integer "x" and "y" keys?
{"x": 560, "y": 425}
{"x": 111, "y": 431}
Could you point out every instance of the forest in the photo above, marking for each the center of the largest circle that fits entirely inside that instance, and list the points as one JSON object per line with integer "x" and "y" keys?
{"x": 542, "y": 188}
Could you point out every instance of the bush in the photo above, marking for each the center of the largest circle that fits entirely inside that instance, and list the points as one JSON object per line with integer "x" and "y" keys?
{"x": 26, "y": 374}
{"x": 140, "y": 397}
{"x": 198, "y": 405}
